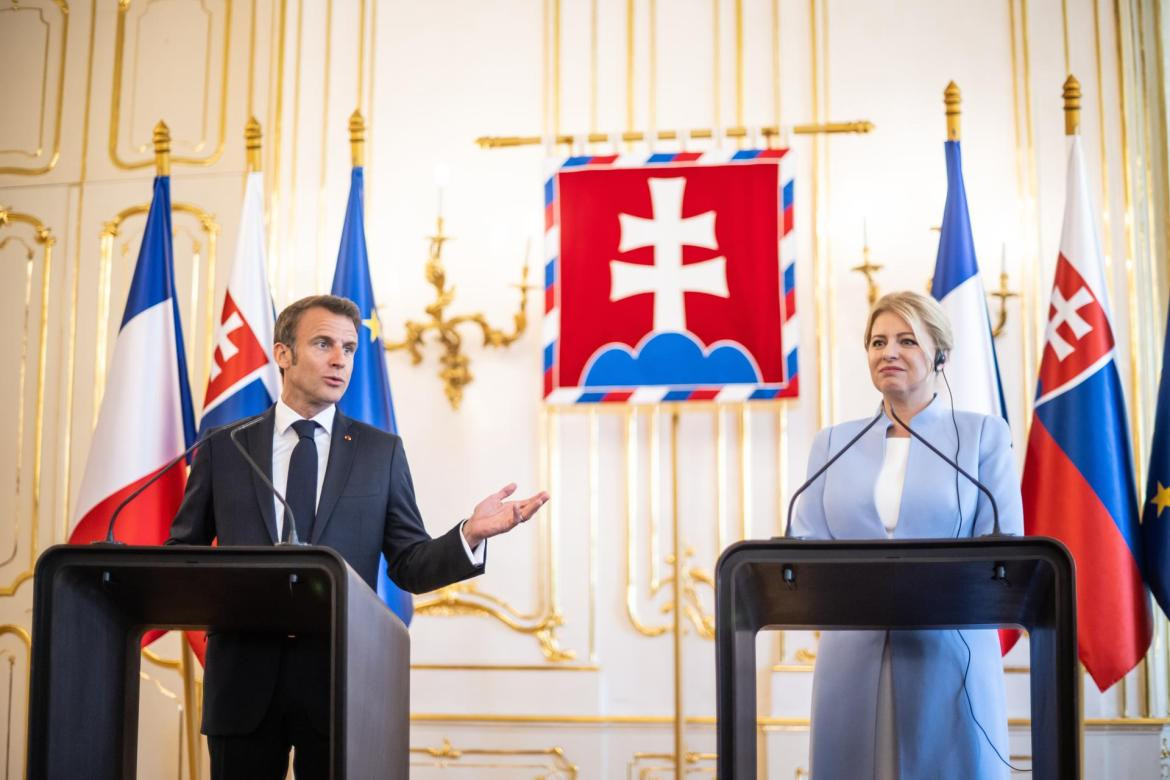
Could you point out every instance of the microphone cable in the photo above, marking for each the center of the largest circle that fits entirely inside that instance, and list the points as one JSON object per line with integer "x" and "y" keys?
{"x": 958, "y": 445}
{"x": 958, "y": 633}
{"x": 971, "y": 709}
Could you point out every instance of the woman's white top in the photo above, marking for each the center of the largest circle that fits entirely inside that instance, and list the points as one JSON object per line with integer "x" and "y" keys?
{"x": 887, "y": 491}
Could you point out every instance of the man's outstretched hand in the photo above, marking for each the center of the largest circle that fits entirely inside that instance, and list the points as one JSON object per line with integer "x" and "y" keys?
{"x": 494, "y": 515}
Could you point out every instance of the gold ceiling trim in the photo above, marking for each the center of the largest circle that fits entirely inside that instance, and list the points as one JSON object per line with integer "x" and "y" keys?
{"x": 43, "y": 237}
{"x": 116, "y": 96}
{"x": 17, "y": 170}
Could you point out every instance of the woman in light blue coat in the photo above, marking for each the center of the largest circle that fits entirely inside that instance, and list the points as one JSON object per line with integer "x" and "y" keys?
{"x": 893, "y": 704}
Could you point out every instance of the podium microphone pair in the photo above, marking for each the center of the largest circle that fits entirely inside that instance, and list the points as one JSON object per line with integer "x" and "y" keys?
{"x": 291, "y": 523}
{"x": 951, "y": 462}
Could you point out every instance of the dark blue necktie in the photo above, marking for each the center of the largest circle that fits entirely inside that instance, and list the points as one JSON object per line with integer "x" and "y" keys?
{"x": 301, "y": 491}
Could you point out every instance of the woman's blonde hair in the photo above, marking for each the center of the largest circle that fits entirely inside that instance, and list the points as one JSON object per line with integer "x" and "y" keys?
{"x": 920, "y": 311}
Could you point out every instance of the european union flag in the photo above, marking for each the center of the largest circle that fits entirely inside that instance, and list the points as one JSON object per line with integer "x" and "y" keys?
{"x": 368, "y": 396}
{"x": 1155, "y": 520}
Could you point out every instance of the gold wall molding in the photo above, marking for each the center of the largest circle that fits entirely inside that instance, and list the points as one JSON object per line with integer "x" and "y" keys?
{"x": 52, "y": 97}
{"x": 22, "y": 634}
{"x": 550, "y": 763}
{"x": 206, "y": 224}
{"x": 122, "y": 91}
{"x": 652, "y": 766}
{"x": 541, "y": 623}
{"x": 42, "y": 237}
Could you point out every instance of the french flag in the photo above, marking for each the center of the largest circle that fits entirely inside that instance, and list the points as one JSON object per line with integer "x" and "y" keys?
{"x": 146, "y": 417}
{"x": 243, "y": 380}
{"x": 972, "y": 366}
{"x": 1078, "y": 483}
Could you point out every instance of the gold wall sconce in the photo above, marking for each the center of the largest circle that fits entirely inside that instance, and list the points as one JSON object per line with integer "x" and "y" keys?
{"x": 455, "y": 371}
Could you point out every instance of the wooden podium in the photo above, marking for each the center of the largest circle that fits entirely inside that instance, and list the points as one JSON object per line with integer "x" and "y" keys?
{"x": 92, "y": 604}
{"x": 978, "y": 583}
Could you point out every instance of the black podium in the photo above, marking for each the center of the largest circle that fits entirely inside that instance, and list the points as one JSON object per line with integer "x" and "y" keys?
{"x": 977, "y": 583}
{"x": 91, "y": 605}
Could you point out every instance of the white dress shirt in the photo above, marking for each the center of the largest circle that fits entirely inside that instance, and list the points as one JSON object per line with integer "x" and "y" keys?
{"x": 891, "y": 478}
{"x": 284, "y": 439}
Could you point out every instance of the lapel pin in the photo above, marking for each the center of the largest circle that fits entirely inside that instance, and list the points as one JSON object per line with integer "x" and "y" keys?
{"x": 348, "y": 437}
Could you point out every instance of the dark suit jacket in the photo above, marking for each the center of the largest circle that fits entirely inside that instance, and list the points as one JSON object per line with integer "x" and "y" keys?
{"x": 366, "y": 507}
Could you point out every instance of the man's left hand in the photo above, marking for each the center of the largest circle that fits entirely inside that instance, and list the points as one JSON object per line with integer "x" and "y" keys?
{"x": 494, "y": 515}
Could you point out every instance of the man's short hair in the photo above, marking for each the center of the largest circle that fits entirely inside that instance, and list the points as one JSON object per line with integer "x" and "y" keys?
{"x": 286, "y": 324}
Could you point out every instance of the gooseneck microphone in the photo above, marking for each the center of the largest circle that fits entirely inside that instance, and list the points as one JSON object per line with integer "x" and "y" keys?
{"x": 291, "y": 522}
{"x": 994, "y": 506}
{"x": 141, "y": 489}
{"x": 823, "y": 469}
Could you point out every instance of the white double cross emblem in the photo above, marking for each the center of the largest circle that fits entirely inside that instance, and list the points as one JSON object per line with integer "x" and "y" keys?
{"x": 225, "y": 346}
{"x": 1066, "y": 313}
{"x": 668, "y": 279}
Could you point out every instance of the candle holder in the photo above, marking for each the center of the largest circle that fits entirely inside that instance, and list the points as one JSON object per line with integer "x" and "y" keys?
{"x": 455, "y": 371}
{"x": 869, "y": 270}
{"x": 1004, "y": 293}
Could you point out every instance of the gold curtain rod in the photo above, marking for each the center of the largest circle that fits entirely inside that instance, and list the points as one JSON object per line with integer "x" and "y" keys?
{"x": 500, "y": 142}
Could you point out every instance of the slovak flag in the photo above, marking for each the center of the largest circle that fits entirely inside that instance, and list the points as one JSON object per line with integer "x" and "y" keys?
{"x": 1078, "y": 483}
{"x": 243, "y": 379}
{"x": 146, "y": 417}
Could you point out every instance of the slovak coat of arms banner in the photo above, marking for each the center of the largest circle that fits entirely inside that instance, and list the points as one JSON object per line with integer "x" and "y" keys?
{"x": 670, "y": 277}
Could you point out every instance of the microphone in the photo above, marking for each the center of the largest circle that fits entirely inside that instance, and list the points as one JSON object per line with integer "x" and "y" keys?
{"x": 293, "y": 539}
{"x": 958, "y": 468}
{"x": 157, "y": 475}
{"x": 822, "y": 470}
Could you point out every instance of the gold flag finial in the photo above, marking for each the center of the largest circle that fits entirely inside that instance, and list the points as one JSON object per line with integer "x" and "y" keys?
{"x": 951, "y": 100}
{"x": 1072, "y": 105}
{"x": 252, "y": 143}
{"x": 357, "y": 137}
{"x": 162, "y": 149}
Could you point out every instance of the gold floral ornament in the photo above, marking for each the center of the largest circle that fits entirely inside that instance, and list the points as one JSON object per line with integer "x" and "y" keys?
{"x": 454, "y": 365}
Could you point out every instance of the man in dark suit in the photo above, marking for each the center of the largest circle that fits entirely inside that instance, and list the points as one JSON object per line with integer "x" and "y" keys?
{"x": 349, "y": 487}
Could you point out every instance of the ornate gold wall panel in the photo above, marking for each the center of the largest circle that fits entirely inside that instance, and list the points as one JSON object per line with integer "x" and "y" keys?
{"x": 33, "y": 35}
{"x": 21, "y": 236}
{"x": 541, "y": 623}
{"x": 16, "y": 697}
{"x": 170, "y": 60}
{"x": 548, "y": 763}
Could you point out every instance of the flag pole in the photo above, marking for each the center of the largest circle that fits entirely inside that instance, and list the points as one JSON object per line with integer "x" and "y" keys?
{"x": 162, "y": 149}
{"x": 252, "y": 137}
{"x": 1072, "y": 105}
{"x": 357, "y": 138}
{"x": 952, "y": 99}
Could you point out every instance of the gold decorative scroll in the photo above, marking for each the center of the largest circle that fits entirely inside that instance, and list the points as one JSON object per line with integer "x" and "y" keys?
{"x": 47, "y": 93}
{"x": 695, "y": 578}
{"x": 652, "y": 766}
{"x": 120, "y": 91}
{"x": 546, "y": 763}
{"x": 43, "y": 238}
{"x": 465, "y": 599}
{"x": 22, "y": 634}
{"x": 112, "y": 230}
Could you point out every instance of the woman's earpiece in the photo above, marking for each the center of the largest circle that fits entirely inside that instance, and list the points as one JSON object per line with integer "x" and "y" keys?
{"x": 940, "y": 357}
